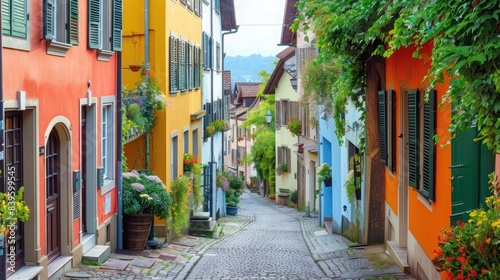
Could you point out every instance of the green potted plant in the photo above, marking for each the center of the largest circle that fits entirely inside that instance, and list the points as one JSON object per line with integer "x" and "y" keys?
{"x": 144, "y": 196}
{"x": 232, "y": 195}
{"x": 282, "y": 168}
{"x": 190, "y": 161}
{"x": 324, "y": 174}
{"x": 294, "y": 198}
{"x": 294, "y": 126}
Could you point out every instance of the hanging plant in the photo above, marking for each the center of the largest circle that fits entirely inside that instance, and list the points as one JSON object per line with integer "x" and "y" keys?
{"x": 294, "y": 126}
{"x": 218, "y": 125}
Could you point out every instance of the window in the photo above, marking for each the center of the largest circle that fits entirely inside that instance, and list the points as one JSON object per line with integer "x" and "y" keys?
{"x": 197, "y": 7}
{"x": 60, "y": 27}
{"x": 174, "y": 81}
{"x": 304, "y": 117}
{"x": 107, "y": 140}
{"x": 284, "y": 155}
{"x": 217, "y": 6}
{"x": 387, "y": 128}
{"x": 105, "y": 25}
{"x": 195, "y": 142}
{"x": 285, "y": 111}
{"x": 185, "y": 138}
{"x": 174, "y": 164}
{"x": 421, "y": 147}
{"x": 207, "y": 51}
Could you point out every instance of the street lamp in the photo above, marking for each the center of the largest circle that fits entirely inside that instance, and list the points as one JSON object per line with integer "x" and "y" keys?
{"x": 269, "y": 117}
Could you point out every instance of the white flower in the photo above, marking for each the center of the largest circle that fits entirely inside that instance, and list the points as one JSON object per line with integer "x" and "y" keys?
{"x": 138, "y": 187}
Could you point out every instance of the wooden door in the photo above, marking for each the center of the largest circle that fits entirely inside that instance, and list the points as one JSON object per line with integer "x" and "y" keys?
{"x": 83, "y": 193}
{"x": 14, "y": 176}
{"x": 470, "y": 164}
{"x": 52, "y": 185}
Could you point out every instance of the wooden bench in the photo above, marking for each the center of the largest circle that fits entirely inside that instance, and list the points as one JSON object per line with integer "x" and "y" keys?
{"x": 284, "y": 192}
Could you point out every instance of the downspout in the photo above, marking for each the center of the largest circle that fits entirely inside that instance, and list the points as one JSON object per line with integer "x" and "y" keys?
{"x": 213, "y": 188}
{"x": 119, "y": 146}
{"x": 223, "y": 94}
{"x": 146, "y": 65}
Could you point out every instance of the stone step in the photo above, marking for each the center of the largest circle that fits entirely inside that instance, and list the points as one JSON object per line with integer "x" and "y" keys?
{"x": 99, "y": 253}
{"x": 201, "y": 228}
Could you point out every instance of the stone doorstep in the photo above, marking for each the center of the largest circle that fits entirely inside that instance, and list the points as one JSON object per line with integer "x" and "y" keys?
{"x": 26, "y": 272}
{"x": 399, "y": 256}
{"x": 99, "y": 253}
{"x": 59, "y": 266}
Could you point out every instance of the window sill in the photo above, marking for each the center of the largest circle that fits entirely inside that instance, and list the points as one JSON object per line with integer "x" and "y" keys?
{"x": 108, "y": 186}
{"x": 173, "y": 93}
{"x": 57, "y": 48}
{"x": 104, "y": 55}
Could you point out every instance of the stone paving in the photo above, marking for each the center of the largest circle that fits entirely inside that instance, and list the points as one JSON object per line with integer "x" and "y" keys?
{"x": 263, "y": 241}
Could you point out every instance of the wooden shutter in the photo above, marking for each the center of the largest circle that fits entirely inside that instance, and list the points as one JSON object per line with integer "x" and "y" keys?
{"x": 278, "y": 114}
{"x": 428, "y": 146}
{"x": 279, "y": 156}
{"x": 413, "y": 136}
{"x": 18, "y": 17}
{"x": 382, "y": 124}
{"x": 94, "y": 23}
{"x": 117, "y": 25}
{"x": 172, "y": 64}
{"x": 391, "y": 131}
{"x": 49, "y": 13}
{"x": 73, "y": 22}
{"x": 6, "y": 16}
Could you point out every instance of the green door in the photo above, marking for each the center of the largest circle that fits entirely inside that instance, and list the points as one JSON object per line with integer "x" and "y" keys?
{"x": 471, "y": 162}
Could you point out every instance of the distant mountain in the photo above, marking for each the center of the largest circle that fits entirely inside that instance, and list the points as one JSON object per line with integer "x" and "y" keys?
{"x": 247, "y": 68}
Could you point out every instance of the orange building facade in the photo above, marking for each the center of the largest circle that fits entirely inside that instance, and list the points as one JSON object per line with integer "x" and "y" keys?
{"x": 60, "y": 89}
{"x": 429, "y": 185}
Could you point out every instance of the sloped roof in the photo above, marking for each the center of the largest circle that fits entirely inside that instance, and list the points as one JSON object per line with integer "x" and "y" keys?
{"x": 228, "y": 15}
{"x": 278, "y": 71}
{"x": 247, "y": 89}
{"x": 288, "y": 37}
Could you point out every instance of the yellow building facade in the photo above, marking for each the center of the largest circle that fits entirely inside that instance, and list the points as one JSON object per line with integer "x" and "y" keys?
{"x": 173, "y": 50}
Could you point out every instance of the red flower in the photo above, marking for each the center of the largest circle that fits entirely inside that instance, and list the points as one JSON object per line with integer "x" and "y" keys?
{"x": 473, "y": 273}
{"x": 462, "y": 250}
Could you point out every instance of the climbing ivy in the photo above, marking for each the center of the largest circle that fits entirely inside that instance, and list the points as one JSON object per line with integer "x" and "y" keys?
{"x": 465, "y": 38}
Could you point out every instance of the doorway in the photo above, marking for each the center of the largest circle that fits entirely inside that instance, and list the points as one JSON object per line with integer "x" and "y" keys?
{"x": 402, "y": 169}
{"x": 52, "y": 185}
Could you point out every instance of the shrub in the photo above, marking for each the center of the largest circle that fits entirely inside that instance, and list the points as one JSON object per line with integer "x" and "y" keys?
{"x": 294, "y": 197}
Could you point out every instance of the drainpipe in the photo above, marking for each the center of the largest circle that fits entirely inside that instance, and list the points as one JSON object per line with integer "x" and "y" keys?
{"x": 146, "y": 63}
{"x": 213, "y": 189}
{"x": 223, "y": 94}
{"x": 119, "y": 146}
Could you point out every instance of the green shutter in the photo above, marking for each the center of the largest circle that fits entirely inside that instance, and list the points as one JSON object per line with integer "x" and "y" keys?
{"x": 19, "y": 27}
{"x": 73, "y": 22}
{"x": 391, "y": 131}
{"x": 94, "y": 24}
{"x": 429, "y": 146}
{"x": 48, "y": 19}
{"x": 413, "y": 158}
{"x": 382, "y": 124}
{"x": 6, "y": 17}
{"x": 117, "y": 25}
{"x": 173, "y": 64}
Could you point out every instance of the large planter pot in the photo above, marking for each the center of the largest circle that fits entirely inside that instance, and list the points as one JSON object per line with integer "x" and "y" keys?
{"x": 231, "y": 210}
{"x": 136, "y": 230}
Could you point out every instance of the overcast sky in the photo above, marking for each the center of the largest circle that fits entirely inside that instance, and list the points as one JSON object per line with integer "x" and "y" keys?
{"x": 260, "y": 24}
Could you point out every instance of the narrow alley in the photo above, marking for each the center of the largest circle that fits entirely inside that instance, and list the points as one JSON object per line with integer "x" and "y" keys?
{"x": 263, "y": 241}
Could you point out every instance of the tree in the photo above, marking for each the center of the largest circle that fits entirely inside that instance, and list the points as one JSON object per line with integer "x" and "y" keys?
{"x": 262, "y": 154}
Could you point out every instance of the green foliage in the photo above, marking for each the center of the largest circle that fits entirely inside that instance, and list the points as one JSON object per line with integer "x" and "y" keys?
{"x": 13, "y": 208}
{"x": 351, "y": 187}
{"x": 145, "y": 194}
{"x": 262, "y": 154}
{"x": 135, "y": 116}
{"x": 294, "y": 196}
{"x": 234, "y": 191}
{"x": 465, "y": 40}
{"x": 324, "y": 172}
{"x": 179, "y": 190}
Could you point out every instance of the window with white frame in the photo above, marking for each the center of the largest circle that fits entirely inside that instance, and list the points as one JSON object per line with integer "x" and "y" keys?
{"x": 107, "y": 140}
{"x": 185, "y": 139}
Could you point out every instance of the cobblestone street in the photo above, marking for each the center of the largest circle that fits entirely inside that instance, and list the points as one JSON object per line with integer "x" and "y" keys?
{"x": 264, "y": 241}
